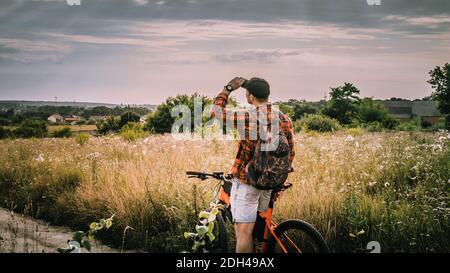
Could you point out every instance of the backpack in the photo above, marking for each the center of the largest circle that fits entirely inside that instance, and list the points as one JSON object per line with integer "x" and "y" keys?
{"x": 268, "y": 170}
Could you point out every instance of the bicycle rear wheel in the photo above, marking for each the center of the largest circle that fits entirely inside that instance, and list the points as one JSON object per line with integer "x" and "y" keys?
{"x": 297, "y": 236}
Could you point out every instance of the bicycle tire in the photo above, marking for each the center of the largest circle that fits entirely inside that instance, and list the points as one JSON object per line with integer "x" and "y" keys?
{"x": 302, "y": 226}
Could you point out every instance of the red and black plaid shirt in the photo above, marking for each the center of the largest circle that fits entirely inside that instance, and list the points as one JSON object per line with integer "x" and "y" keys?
{"x": 246, "y": 144}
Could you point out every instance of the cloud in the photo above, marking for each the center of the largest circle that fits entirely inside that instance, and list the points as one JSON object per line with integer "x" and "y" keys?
{"x": 256, "y": 55}
{"x": 426, "y": 21}
{"x": 140, "y": 2}
{"x": 29, "y": 51}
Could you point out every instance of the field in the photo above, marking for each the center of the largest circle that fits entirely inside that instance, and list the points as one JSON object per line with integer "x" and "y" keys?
{"x": 354, "y": 186}
{"x": 74, "y": 128}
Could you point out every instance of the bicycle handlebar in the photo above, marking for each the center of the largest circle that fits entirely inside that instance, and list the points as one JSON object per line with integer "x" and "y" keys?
{"x": 204, "y": 176}
{"x": 221, "y": 176}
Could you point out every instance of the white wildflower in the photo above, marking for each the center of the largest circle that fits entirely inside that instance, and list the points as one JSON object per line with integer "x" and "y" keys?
{"x": 349, "y": 138}
{"x": 94, "y": 155}
{"x": 40, "y": 158}
{"x": 386, "y": 184}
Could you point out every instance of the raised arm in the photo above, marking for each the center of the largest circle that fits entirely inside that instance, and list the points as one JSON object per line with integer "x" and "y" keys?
{"x": 221, "y": 101}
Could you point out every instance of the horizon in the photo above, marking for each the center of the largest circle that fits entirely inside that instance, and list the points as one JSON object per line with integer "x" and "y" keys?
{"x": 132, "y": 51}
{"x": 156, "y": 104}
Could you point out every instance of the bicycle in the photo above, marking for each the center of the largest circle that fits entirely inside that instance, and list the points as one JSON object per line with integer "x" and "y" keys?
{"x": 291, "y": 236}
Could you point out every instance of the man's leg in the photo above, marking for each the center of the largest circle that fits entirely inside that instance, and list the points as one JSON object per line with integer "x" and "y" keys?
{"x": 244, "y": 237}
{"x": 244, "y": 206}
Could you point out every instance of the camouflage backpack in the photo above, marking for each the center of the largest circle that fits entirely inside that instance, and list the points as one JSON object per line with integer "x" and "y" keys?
{"x": 269, "y": 168}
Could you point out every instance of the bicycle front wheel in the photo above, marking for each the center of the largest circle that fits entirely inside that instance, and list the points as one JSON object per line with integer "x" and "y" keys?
{"x": 296, "y": 236}
{"x": 220, "y": 245}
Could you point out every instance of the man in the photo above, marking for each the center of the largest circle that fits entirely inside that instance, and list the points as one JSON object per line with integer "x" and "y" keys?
{"x": 245, "y": 199}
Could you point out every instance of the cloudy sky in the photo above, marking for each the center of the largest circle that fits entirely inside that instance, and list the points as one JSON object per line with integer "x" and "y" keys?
{"x": 141, "y": 51}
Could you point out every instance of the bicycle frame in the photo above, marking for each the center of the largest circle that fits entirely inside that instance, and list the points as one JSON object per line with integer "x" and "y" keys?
{"x": 270, "y": 225}
{"x": 266, "y": 216}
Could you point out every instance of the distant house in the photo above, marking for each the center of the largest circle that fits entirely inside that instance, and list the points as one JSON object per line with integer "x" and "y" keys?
{"x": 406, "y": 110}
{"x": 72, "y": 119}
{"x": 55, "y": 118}
{"x": 427, "y": 110}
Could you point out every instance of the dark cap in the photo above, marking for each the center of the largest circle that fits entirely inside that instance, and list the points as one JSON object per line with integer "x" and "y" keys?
{"x": 258, "y": 87}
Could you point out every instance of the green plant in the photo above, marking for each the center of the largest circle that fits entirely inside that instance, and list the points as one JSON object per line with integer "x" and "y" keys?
{"x": 318, "y": 123}
{"x": 161, "y": 120}
{"x": 128, "y": 117}
{"x": 414, "y": 124}
{"x": 82, "y": 239}
{"x": 111, "y": 124}
{"x": 440, "y": 82}
{"x": 82, "y": 139}
{"x": 206, "y": 232}
{"x": 31, "y": 128}
{"x": 132, "y": 131}
{"x": 5, "y": 133}
{"x": 343, "y": 105}
{"x": 63, "y": 133}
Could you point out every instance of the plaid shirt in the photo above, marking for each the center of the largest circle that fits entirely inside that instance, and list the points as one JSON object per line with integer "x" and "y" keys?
{"x": 246, "y": 145}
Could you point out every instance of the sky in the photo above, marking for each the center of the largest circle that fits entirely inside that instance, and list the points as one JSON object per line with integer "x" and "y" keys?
{"x": 142, "y": 51}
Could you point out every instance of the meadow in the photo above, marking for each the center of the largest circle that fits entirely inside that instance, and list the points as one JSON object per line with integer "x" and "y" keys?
{"x": 354, "y": 186}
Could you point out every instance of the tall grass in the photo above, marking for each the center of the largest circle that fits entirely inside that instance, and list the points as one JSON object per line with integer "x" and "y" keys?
{"x": 392, "y": 186}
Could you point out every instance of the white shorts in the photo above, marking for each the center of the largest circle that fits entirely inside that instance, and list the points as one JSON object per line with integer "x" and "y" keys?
{"x": 246, "y": 201}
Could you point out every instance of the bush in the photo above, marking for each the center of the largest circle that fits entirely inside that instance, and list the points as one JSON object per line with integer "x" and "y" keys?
{"x": 31, "y": 128}
{"x": 412, "y": 125}
{"x": 355, "y": 131}
{"x": 109, "y": 125}
{"x": 82, "y": 139}
{"x": 300, "y": 110}
{"x": 374, "y": 126}
{"x": 62, "y": 133}
{"x": 5, "y": 133}
{"x": 318, "y": 123}
{"x": 5, "y": 122}
{"x": 132, "y": 131}
{"x": 128, "y": 117}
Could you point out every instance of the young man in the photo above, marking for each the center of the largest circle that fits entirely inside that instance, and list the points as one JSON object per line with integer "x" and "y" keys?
{"x": 245, "y": 199}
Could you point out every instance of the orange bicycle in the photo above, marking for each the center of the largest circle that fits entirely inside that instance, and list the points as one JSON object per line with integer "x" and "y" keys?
{"x": 291, "y": 236}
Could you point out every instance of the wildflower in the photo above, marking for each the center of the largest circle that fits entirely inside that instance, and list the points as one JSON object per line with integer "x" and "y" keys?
{"x": 94, "y": 155}
{"x": 386, "y": 184}
{"x": 40, "y": 158}
{"x": 349, "y": 138}
{"x": 371, "y": 184}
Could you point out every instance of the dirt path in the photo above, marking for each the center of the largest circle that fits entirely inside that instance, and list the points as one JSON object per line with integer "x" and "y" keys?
{"x": 27, "y": 235}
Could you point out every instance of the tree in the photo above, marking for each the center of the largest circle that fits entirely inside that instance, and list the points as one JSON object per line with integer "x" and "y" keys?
{"x": 161, "y": 120}
{"x": 31, "y": 128}
{"x": 301, "y": 109}
{"x": 109, "y": 125}
{"x": 370, "y": 111}
{"x": 343, "y": 104}
{"x": 440, "y": 82}
{"x": 128, "y": 117}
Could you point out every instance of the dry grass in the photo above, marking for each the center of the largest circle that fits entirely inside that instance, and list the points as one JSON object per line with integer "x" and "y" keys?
{"x": 382, "y": 183}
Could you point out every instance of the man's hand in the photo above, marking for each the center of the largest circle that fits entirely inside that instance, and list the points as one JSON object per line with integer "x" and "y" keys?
{"x": 236, "y": 83}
